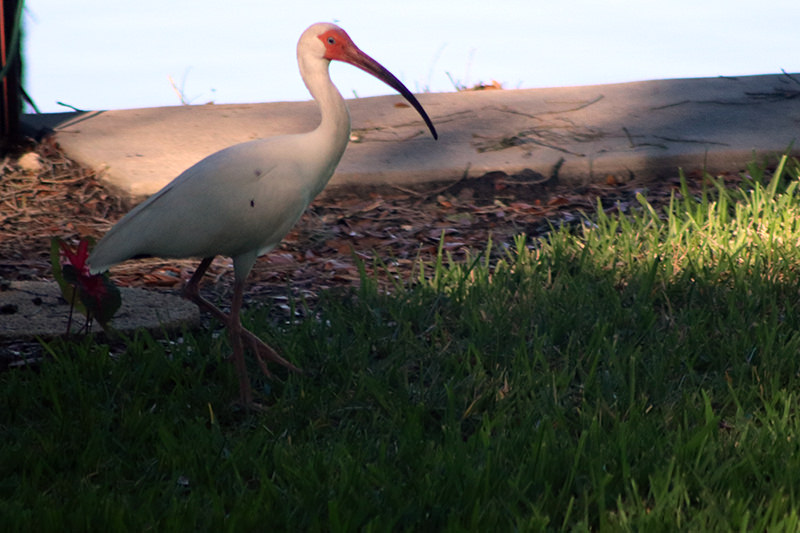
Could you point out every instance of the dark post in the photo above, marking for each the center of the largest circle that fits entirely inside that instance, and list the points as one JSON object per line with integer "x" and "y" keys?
{"x": 10, "y": 72}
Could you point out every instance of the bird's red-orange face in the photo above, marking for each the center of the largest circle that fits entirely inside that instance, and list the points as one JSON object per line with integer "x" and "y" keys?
{"x": 338, "y": 44}
{"x": 339, "y": 47}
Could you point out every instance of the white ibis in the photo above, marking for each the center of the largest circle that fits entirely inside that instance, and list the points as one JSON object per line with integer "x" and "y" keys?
{"x": 241, "y": 201}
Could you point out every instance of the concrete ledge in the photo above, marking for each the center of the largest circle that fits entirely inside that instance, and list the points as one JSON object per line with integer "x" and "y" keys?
{"x": 645, "y": 129}
{"x": 31, "y": 309}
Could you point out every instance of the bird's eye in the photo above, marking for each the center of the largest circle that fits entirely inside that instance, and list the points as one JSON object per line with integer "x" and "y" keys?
{"x": 331, "y": 40}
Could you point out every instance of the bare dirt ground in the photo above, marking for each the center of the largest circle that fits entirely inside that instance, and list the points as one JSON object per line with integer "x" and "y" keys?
{"x": 45, "y": 194}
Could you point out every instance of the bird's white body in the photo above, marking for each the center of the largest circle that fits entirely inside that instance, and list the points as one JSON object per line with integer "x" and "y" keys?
{"x": 238, "y": 202}
{"x": 241, "y": 201}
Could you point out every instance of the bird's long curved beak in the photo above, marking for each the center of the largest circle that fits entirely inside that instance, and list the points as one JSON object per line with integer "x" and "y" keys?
{"x": 357, "y": 58}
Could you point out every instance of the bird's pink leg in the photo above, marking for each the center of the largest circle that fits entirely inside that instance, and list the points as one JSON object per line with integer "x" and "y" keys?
{"x": 262, "y": 350}
{"x": 192, "y": 292}
{"x": 235, "y": 329}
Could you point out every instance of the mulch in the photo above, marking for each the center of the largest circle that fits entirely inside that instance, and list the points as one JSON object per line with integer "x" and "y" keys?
{"x": 45, "y": 194}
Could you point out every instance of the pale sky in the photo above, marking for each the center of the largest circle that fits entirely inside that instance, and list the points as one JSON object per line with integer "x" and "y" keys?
{"x": 101, "y": 54}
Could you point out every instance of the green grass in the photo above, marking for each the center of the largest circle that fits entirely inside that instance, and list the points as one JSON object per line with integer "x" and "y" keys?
{"x": 637, "y": 373}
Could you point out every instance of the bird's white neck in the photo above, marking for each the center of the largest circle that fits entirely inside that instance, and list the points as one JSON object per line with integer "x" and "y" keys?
{"x": 330, "y": 138}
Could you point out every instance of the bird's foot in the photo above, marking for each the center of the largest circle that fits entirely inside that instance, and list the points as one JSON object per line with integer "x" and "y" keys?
{"x": 265, "y": 353}
{"x": 262, "y": 350}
